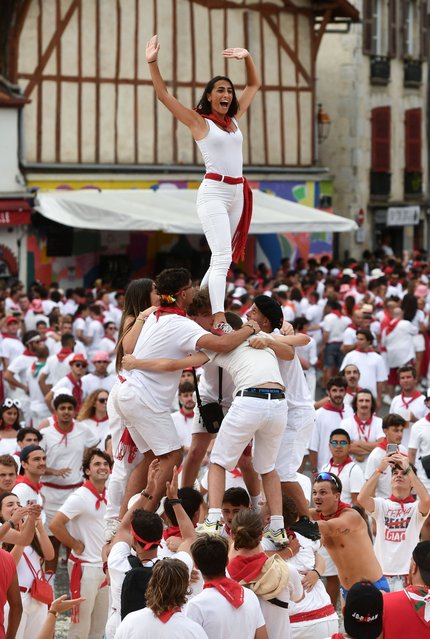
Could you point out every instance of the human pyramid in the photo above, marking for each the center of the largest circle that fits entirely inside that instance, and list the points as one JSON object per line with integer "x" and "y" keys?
{"x": 120, "y": 467}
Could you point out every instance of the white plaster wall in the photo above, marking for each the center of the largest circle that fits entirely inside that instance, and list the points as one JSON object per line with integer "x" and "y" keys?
{"x": 9, "y": 156}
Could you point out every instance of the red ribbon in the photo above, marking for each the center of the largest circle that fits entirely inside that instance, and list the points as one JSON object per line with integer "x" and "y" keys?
{"x": 76, "y": 390}
{"x": 172, "y": 531}
{"x": 64, "y": 433}
{"x": 339, "y": 466}
{"x": 63, "y": 353}
{"x": 414, "y": 396}
{"x": 329, "y": 406}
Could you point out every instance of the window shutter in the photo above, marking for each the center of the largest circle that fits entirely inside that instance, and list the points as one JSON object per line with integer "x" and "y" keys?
{"x": 423, "y": 30}
{"x": 381, "y": 139}
{"x": 368, "y": 26}
{"x": 403, "y": 12}
{"x": 413, "y": 124}
{"x": 392, "y": 28}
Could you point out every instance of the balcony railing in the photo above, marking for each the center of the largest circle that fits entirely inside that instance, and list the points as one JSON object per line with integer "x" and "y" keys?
{"x": 413, "y": 184}
{"x": 412, "y": 73}
{"x": 380, "y": 184}
{"x": 379, "y": 69}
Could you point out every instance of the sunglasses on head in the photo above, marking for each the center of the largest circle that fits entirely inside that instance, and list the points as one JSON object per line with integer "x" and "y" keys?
{"x": 80, "y": 365}
{"x": 327, "y": 477}
{"x": 8, "y": 403}
{"x": 336, "y": 442}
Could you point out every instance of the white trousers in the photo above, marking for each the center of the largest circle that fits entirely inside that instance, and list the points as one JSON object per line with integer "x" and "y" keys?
{"x": 219, "y": 207}
{"x": 92, "y": 612}
{"x": 318, "y": 629}
{"x": 300, "y": 424}
{"x": 32, "y": 618}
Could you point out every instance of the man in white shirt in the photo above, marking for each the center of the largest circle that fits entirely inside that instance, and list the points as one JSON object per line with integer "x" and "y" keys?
{"x": 373, "y": 372}
{"x": 342, "y": 465}
{"x": 327, "y": 418}
{"x": 33, "y": 467}
{"x": 184, "y": 417}
{"x": 79, "y": 525}
{"x": 57, "y": 366}
{"x": 100, "y": 378}
{"x": 352, "y": 375}
{"x": 11, "y": 345}
{"x": 350, "y": 333}
{"x": 364, "y": 426}
{"x": 393, "y": 426}
{"x": 410, "y": 403}
{"x": 397, "y": 340}
{"x": 399, "y": 518}
{"x": 333, "y": 326}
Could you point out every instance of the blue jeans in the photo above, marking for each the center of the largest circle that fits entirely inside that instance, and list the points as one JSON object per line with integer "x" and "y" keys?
{"x": 381, "y": 584}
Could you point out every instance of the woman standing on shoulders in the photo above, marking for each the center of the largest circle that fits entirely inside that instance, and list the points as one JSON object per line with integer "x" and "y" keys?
{"x": 224, "y": 201}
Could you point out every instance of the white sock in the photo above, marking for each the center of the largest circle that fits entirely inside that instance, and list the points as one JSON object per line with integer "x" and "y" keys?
{"x": 255, "y": 503}
{"x": 276, "y": 522}
{"x": 214, "y": 515}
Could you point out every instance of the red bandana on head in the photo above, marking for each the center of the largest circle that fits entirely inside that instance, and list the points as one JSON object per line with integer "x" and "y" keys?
{"x": 229, "y": 589}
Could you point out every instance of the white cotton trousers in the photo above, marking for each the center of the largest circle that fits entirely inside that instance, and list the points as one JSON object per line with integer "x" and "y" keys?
{"x": 219, "y": 207}
{"x": 93, "y": 611}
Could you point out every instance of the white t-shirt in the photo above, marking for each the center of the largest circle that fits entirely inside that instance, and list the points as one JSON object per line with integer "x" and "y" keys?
{"x": 349, "y": 336}
{"x": 420, "y": 441}
{"x": 183, "y": 425}
{"x": 370, "y": 433}
{"x": 143, "y": 624}
{"x": 92, "y": 382}
{"x": 209, "y": 385}
{"x": 398, "y": 529}
{"x": 172, "y": 336}
{"x": 371, "y": 366}
{"x": 24, "y": 492}
{"x": 399, "y": 344}
{"x": 326, "y": 421}
{"x": 66, "y": 451}
{"x": 21, "y": 366}
{"x": 56, "y": 370}
{"x": 277, "y": 618}
{"x": 86, "y": 523}
{"x": 298, "y": 394}
{"x": 218, "y": 617}
{"x": 335, "y": 327}
{"x": 11, "y": 347}
{"x": 404, "y": 408}
{"x": 101, "y": 429}
{"x": 351, "y": 477}
{"x": 249, "y": 366}
{"x": 96, "y": 331}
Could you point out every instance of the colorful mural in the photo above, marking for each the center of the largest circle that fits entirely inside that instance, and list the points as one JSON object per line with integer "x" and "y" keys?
{"x": 147, "y": 250}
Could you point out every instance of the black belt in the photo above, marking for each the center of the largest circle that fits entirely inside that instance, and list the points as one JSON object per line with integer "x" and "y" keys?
{"x": 262, "y": 393}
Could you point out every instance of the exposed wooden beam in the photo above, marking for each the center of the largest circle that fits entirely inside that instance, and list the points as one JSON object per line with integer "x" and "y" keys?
{"x": 288, "y": 50}
{"x": 318, "y": 36}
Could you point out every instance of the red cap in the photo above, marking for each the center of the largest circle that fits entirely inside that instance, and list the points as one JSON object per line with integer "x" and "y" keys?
{"x": 78, "y": 357}
{"x": 11, "y": 319}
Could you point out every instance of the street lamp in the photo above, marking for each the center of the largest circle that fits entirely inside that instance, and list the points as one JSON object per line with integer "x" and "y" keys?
{"x": 323, "y": 123}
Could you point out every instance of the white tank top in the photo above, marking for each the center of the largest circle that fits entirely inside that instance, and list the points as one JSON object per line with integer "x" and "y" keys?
{"x": 222, "y": 151}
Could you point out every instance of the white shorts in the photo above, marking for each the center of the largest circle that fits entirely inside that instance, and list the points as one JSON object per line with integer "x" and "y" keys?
{"x": 419, "y": 343}
{"x": 251, "y": 417}
{"x": 149, "y": 430}
{"x": 294, "y": 443}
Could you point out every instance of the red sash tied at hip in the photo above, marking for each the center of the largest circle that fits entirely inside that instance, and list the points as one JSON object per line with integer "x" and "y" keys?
{"x": 75, "y": 584}
{"x": 240, "y": 236}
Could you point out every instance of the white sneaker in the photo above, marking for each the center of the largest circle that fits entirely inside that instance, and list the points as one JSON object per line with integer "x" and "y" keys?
{"x": 387, "y": 399}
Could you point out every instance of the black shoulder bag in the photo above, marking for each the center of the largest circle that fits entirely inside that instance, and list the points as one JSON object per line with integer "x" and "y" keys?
{"x": 210, "y": 414}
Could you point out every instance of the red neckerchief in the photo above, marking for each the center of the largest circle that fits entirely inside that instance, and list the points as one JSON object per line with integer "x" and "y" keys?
{"x": 341, "y": 466}
{"x": 408, "y": 500}
{"x": 361, "y": 350}
{"x": 349, "y": 391}
{"x": 100, "y": 497}
{"x": 419, "y": 596}
{"x": 29, "y": 353}
{"x": 389, "y": 328}
{"x": 224, "y": 124}
{"x": 329, "y": 406}
{"x": 361, "y": 425}
{"x": 165, "y": 616}
{"x": 342, "y": 506}
{"x": 99, "y": 421}
{"x": 246, "y": 569}
{"x": 383, "y": 444}
{"x": 229, "y": 589}
{"x": 405, "y": 401}
{"x": 126, "y": 446}
{"x": 63, "y": 432}
{"x": 171, "y": 310}
{"x": 353, "y": 326}
{"x": 186, "y": 415}
{"x": 76, "y": 390}
{"x": 6, "y": 335}
{"x": 22, "y": 479}
{"x": 63, "y": 353}
{"x": 337, "y": 313}
{"x": 172, "y": 531}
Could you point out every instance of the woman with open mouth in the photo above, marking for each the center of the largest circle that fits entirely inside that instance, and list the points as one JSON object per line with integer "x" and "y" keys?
{"x": 224, "y": 201}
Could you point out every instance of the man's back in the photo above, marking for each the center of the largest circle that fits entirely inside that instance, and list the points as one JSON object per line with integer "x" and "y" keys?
{"x": 404, "y": 616}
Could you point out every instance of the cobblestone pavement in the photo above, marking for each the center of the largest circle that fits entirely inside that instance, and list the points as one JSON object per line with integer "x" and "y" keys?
{"x": 61, "y": 588}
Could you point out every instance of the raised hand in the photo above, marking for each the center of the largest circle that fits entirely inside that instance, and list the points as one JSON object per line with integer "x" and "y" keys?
{"x": 236, "y": 52}
{"x": 152, "y": 49}
{"x": 62, "y": 603}
{"x": 153, "y": 470}
{"x": 172, "y": 485}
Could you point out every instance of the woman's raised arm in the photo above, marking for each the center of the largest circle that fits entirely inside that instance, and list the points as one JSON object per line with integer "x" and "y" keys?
{"x": 252, "y": 79}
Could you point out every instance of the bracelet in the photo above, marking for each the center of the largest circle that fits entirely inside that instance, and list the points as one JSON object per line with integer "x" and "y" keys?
{"x": 291, "y": 552}
{"x": 381, "y": 472}
{"x": 11, "y": 524}
{"x": 53, "y": 612}
{"x": 145, "y": 494}
{"x": 250, "y": 326}
{"x": 408, "y": 470}
{"x": 151, "y": 61}
{"x": 174, "y": 502}
{"x": 315, "y": 570}
{"x": 140, "y": 320}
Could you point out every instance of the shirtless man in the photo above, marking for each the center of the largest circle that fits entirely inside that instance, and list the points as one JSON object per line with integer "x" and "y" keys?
{"x": 344, "y": 534}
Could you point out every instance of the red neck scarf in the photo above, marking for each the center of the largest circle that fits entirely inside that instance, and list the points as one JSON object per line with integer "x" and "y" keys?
{"x": 8, "y": 335}
{"x": 186, "y": 415}
{"x": 100, "y": 497}
{"x": 329, "y": 406}
{"x": 419, "y": 596}
{"x": 29, "y": 353}
{"x": 63, "y": 353}
{"x": 76, "y": 390}
{"x": 349, "y": 391}
{"x": 99, "y": 421}
{"x": 224, "y": 124}
{"x": 337, "y": 313}
{"x": 165, "y": 616}
{"x": 361, "y": 350}
{"x": 408, "y": 400}
{"x": 383, "y": 444}
{"x": 172, "y": 531}
{"x": 361, "y": 425}
{"x": 341, "y": 466}
{"x": 229, "y": 589}
{"x": 353, "y": 326}
{"x": 342, "y": 506}
{"x": 126, "y": 446}
{"x": 22, "y": 479}
{"x": 407, "y": 500}
{"x": 389, "y": 328}
{"x": 246, "y": 569}
{"x": 63, "y": 432}
{"x": 170, "y": 310}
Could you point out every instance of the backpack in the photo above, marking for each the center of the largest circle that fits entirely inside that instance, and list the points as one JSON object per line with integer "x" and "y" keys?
{"x": 134, "y": 586}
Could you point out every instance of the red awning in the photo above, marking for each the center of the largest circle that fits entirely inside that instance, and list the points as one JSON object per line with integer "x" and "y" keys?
{"x": 14, "y": 212}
